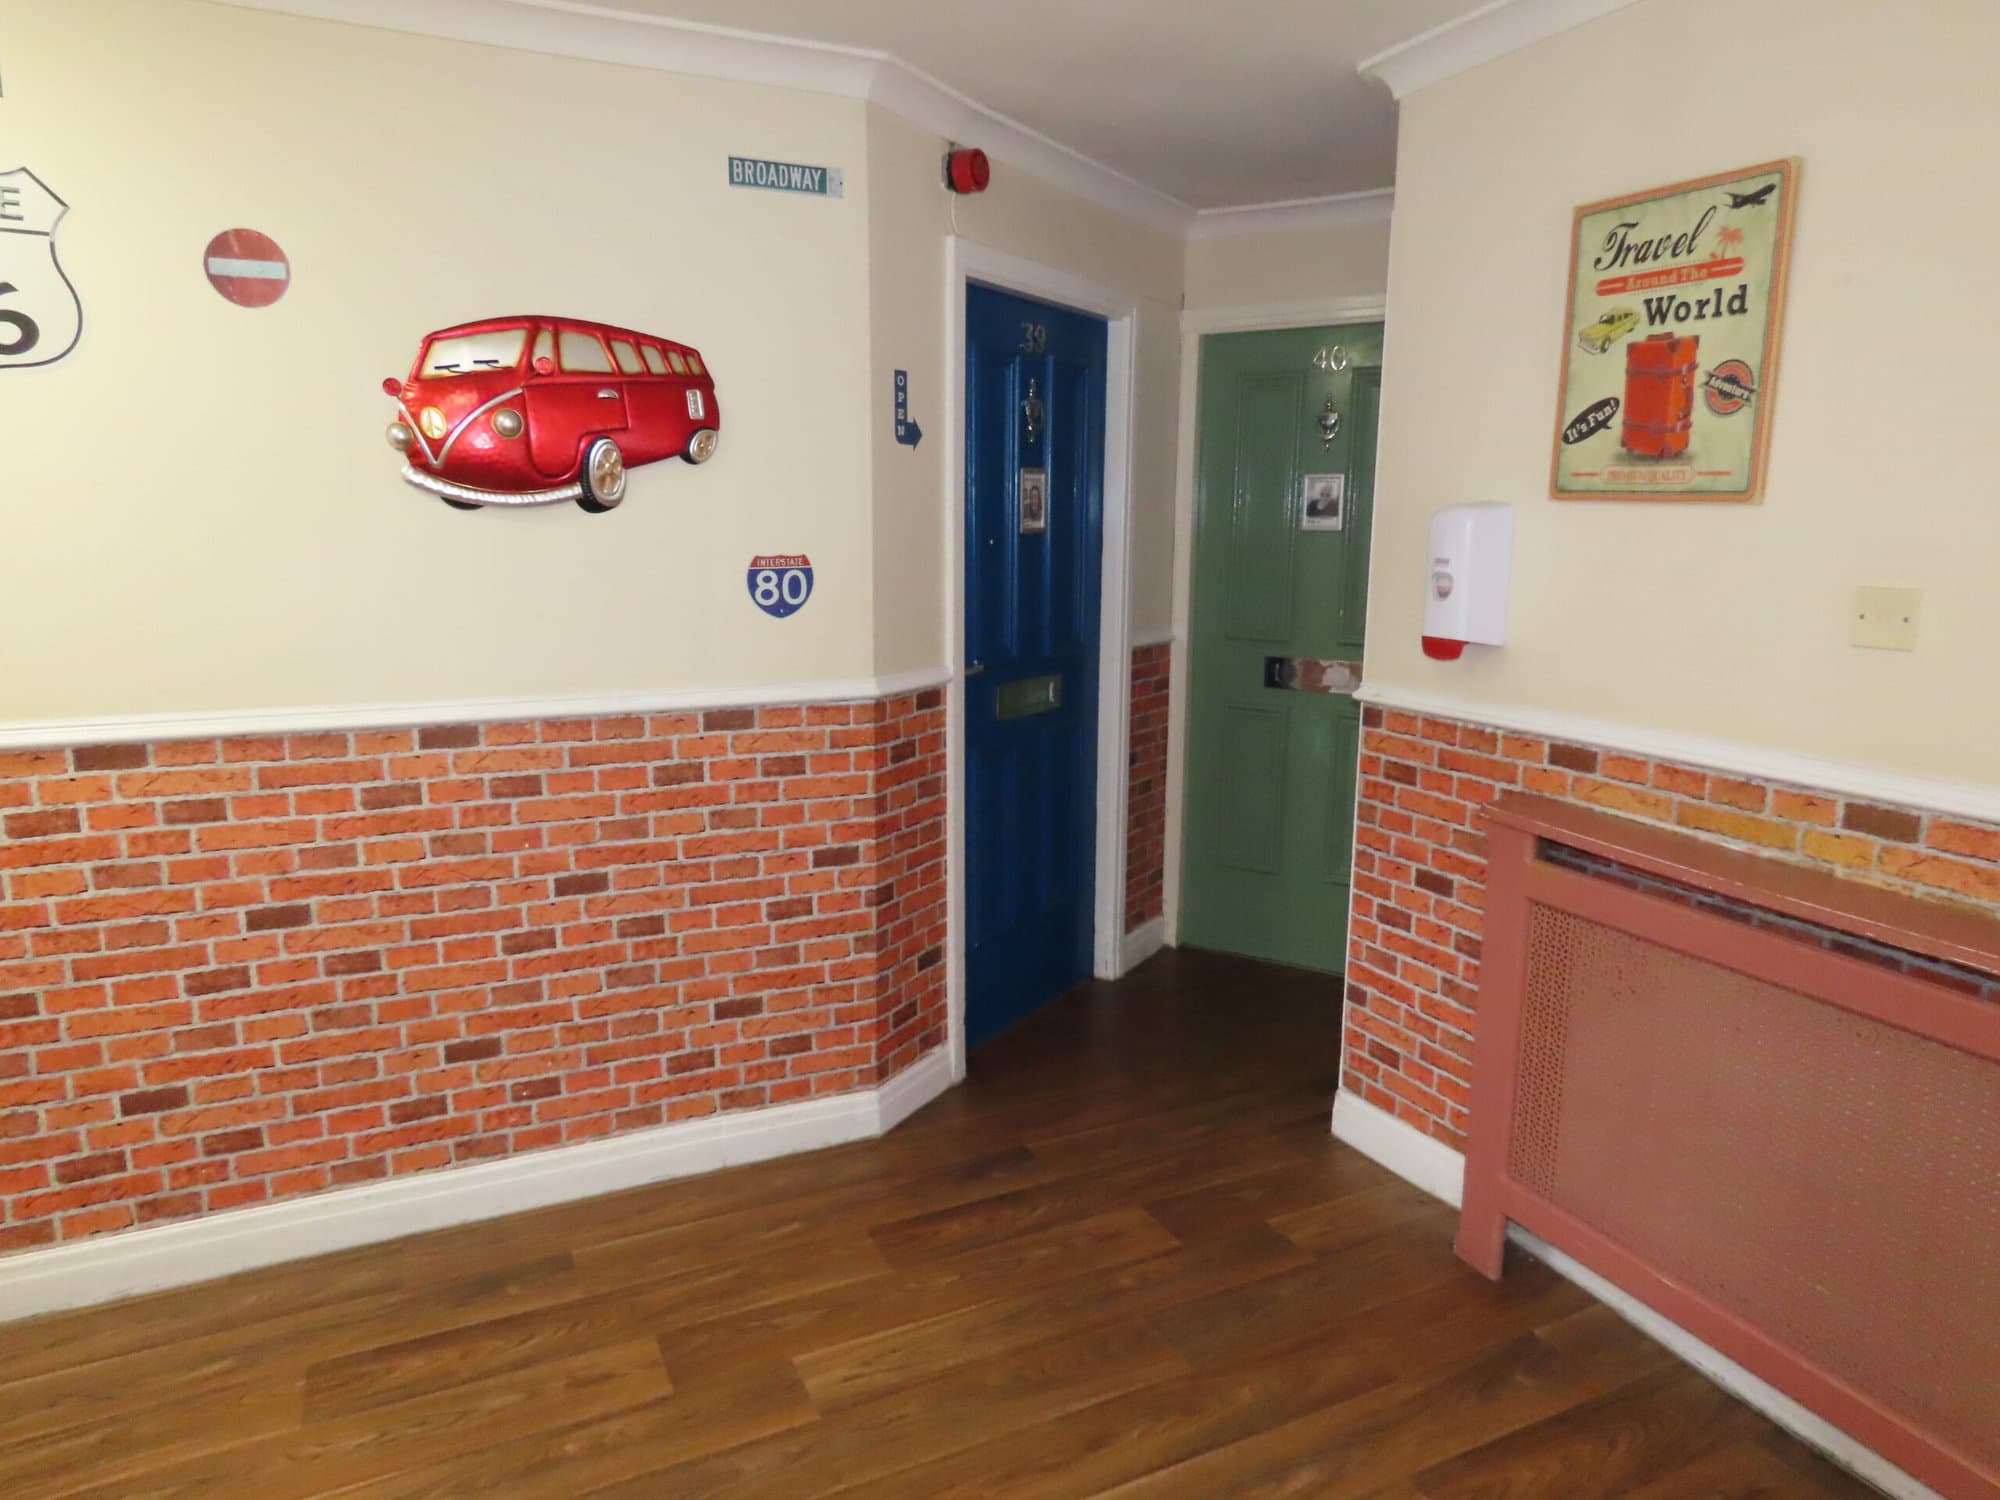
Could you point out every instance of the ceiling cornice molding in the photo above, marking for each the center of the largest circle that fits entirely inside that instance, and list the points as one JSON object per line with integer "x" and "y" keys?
{"x": 1492, "y": 31}
{"x": 599, "y": 33}
{"x": 941, "y": 109}
{"x": 1374, "y": 205}
{"x": 1247, "y": 316}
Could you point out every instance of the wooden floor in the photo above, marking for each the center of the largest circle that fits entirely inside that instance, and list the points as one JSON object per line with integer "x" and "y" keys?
{"x": 1126, "y": 1258}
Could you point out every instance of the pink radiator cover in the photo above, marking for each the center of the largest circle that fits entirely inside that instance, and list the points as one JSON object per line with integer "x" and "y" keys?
{"x": 1791, "y": 1152}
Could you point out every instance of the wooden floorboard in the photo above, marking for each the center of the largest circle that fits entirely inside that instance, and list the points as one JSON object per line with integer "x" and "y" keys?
{"x": 1126, "y": 1258}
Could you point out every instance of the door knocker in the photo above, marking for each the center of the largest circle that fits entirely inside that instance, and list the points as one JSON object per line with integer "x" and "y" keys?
{"x": 1329, "y": 424}
{"x": 1031, "y": 413}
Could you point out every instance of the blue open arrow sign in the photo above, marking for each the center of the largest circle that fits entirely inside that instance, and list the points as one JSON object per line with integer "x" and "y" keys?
{"x": 908, "y": 433}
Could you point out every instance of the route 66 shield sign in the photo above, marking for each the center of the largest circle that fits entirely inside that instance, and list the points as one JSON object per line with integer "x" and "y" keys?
{"x": 40, "y": 316}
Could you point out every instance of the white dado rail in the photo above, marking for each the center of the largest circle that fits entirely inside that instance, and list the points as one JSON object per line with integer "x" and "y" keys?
{"x": 125, "y": 729}
{"x": 1967, "y": 799}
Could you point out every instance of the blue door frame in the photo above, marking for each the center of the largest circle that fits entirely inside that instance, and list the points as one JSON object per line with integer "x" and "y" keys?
{"x": 1034, "y": 399}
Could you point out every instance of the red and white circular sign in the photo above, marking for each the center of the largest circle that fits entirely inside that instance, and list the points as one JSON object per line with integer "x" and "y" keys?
{"x": 247, "y": 267}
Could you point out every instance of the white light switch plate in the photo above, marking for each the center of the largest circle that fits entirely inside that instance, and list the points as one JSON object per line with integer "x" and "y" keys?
{"x": 1886, "y": 618}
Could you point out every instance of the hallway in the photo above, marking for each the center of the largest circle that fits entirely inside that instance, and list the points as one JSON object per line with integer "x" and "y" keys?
{"x": 1126, "y": 1257}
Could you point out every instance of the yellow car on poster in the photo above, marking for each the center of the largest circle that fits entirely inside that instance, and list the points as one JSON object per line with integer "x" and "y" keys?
{"x": 1608, "y": 329}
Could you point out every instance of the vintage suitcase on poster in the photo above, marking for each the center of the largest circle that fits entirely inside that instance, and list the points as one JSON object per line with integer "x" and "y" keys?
{"x": 1659, "y": 394}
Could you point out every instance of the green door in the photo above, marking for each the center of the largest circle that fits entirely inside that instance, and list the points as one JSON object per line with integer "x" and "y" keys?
{"x": 1280, "y": 602}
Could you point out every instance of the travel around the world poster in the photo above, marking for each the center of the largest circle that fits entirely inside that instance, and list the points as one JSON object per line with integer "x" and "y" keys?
{"x": 1670, "y": 346}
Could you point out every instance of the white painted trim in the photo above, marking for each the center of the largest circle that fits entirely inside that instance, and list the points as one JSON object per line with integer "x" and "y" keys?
{"x": 1197, "y": 323}
{"x": 1402, "y": 1148}
{"x": 1250, "y": 316}
{"x": 108, "y": 1267}
{"x": 937, "y": 107}
{"x": 1807, "y": 1426}
{"x": 1114, "y": 643}
{"x": 911, "y": 1089}
{"x": 1440, "y": 1171}
{"x": 1141, "y": 943}
{"x": 1030, "y": 278}
{"x": 121, "y": 729}
{"x": 1494, "y": 30}
{"x": 968, "y": 261}
{"x": 895, "y": 684}
{"x": 1144, "y": 638}
{"x": 1180, "y": 610}
{"x": 608, "y": 33}
{"x": 1966, "y": 799}
{"x": 955, "y": 280}
{"x": 1370, "y": 206}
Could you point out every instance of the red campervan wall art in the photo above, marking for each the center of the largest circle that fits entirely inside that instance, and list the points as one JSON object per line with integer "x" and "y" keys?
{"x": 537, "y": 410}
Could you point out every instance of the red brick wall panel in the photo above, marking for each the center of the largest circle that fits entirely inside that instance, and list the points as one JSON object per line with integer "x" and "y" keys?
{"x": 237, "y": 971}
{"x": 1146, "y": 794}
{"x": 1416, "y": 918}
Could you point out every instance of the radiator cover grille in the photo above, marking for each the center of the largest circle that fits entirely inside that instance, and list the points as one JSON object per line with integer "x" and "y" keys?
{"x": 1824, "y": 1175}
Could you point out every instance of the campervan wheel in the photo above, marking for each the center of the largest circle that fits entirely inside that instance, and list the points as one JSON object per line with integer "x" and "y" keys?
{"x": 603, "y": 477}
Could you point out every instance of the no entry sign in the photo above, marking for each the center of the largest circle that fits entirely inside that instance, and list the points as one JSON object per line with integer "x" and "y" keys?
{"x": 247, "y": 267}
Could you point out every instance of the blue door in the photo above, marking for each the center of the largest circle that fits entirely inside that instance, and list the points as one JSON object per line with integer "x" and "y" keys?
{"x": 1034, "y": 501}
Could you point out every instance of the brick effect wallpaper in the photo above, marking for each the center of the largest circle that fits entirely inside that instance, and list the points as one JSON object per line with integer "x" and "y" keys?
{"x": 1146, "y": 806}
{"x": 242, "y": 970}
{"x": 1416, "y": 922}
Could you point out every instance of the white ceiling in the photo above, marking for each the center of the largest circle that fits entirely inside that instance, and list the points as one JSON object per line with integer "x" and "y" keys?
{"x": 1213, "y": 102}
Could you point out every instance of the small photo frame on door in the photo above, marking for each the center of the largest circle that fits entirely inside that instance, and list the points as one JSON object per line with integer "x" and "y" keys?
{"x": 1034, "y": 508}
{"x": 1325, "y": 507}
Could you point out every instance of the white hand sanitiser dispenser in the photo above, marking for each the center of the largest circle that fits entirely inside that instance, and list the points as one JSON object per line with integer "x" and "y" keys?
{"x": 1465, "y": 584}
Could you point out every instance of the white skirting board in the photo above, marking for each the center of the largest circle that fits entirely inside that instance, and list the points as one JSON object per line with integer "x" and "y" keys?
{"x": 108, "y": 1267}
{"x": 1141, "y": 943}
{"x": 1403, "y": 1149}
{"x": 1440, "y": 1171}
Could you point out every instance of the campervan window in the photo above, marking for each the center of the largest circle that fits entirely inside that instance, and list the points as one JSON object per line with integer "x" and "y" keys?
{"x": 679, "y": 364}
{"x": 628, "y": 357}
{"x": 583, "y": 351}
{"x": 653, "y": 361}
{"x": 469, "y": 353}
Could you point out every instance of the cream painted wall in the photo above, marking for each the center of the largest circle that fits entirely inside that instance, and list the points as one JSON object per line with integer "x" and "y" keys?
{"x": 906, "y": 288}
{"x": 910, "y": 218}
{"x": 215, "y": 522}
{"x": 1724, "y": 620}
{"x": 1026, "y": 217}
{"x": 202, "y": 512}
{"x": 1289, "y": 265}
{"x": 1156, "y": 404}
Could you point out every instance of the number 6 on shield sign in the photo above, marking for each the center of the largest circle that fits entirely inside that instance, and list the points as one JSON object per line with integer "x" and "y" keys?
{"x": 780, "y": 584}
{"x": 27, "y": 332}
